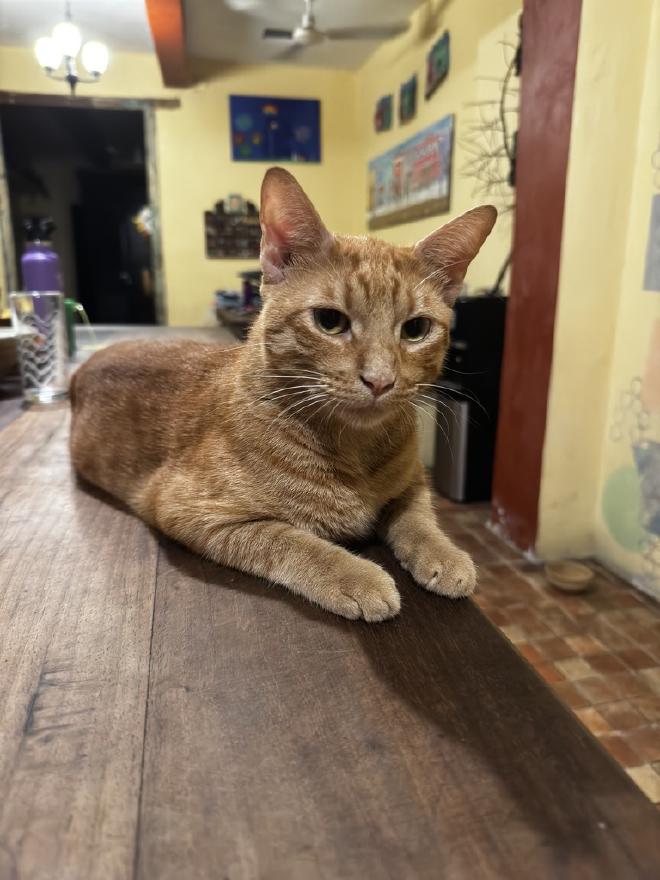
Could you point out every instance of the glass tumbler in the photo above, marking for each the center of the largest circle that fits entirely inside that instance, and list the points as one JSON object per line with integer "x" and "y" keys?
{"x": 39, "y": 321}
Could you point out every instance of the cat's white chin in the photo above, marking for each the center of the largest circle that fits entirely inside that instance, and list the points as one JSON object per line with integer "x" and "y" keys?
{"x": 366, "y": 415}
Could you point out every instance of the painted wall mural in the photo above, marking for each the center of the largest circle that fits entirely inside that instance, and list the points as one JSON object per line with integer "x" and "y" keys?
{"x": 631, "y": 494}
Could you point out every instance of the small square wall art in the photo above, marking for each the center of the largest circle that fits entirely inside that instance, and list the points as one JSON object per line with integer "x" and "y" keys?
{"x": 383, "y": 114}
{"x": 437, "y": 64}
{"x": 408, "y": 99}
{"x": 265, "y": 129}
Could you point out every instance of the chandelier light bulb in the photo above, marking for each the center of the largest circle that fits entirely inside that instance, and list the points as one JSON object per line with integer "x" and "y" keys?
{"x": 95, "y": 57}
{"x": 67, "y": 38}
{"x": 48, "y": 54}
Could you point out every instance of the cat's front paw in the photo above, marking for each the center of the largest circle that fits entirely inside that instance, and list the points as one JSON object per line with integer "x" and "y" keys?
{"x": 368, "y": 592}
{"x": 444, "y": 569}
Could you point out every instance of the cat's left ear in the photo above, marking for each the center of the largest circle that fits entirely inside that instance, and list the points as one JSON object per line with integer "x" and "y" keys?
{"x": 290, "y": 226}
{"x": 447, "y": 252}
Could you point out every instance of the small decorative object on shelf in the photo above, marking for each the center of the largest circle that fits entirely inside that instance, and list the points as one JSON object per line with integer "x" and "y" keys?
{"x": 437, "y": 64}
{"x": 232, "y": 229}
{"x": 408, "y": 99}
{"x": 383, "y": 114}
{"x": 61, "y": 50}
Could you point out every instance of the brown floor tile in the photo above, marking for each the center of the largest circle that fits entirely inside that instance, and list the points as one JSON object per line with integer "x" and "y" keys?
{"x": 549, "y": 673}
{"x": 595, "y": 689}
{"x": 573, "y": 606}
{"x": 648, "y": 706}
{"x": 620, "y": 750}
{"x": 628, "y": 684}
{"x": 644, "y": 616}
{"x": 605, "y": 663}
{"x": 554, "y": 648}
{"x": 574, "y": 668}
{"x": 530, "y": 653}
{"x": 636, "y": 658}
{"x": 652, "y": 678}
{"x": 622, "y": 715}
{"x": 559, "y": 622}
{"x": 584, "y": 645}
{"x": 499, "y": 618}
{"x": 570, "y": 695}
{"x": 593, "y": 720}
{"x": 648, "y": 779}
{"x": 646, "y": 742}
{"x": 608, "y": 634}
{"x": 514, "y": 633}
{"x": 639, "y": 634}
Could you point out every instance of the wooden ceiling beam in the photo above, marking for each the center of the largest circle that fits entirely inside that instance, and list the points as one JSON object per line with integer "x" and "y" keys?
{"x": 167, "y": 24}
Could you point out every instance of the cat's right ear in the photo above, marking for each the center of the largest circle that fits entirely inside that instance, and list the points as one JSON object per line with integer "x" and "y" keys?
{"x": 290, "y": 225}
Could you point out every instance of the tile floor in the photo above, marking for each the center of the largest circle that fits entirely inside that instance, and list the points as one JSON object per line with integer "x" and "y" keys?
{"x": 599, "y": 651}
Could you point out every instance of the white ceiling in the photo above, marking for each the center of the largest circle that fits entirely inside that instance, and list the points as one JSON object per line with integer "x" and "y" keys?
{"x": 217, "y": 31}
{"x": 122, "y": 24}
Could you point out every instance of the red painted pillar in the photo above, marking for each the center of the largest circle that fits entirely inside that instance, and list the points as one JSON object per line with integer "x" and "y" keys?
{"x": 550, "y": 42}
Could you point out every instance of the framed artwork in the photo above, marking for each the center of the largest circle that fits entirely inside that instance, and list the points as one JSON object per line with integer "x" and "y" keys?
{"x": 412, "y": 180}
{"x": 267, "y": 129}
{"x": 408, "y": 99}
{"x": 383, "y": 114}
{"x": 437, "y": 64}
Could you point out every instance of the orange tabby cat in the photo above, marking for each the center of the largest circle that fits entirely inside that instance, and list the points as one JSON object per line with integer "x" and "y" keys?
{"x": 262, "y": 456}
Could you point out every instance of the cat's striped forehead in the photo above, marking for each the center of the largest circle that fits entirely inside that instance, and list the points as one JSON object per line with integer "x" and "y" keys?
{"x": 374, "y": 273}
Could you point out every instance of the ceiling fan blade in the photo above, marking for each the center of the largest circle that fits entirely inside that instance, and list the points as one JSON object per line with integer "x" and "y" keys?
{"x": 292, "y": 52}
{"x": 377, "y": 32}
{"x": 277, "y": 34}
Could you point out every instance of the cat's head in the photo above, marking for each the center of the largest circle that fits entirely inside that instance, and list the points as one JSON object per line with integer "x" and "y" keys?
{"x": 352, "y": 320}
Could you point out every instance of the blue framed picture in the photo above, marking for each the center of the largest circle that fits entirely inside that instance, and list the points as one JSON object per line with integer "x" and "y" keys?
{"x": 265, "y": 129}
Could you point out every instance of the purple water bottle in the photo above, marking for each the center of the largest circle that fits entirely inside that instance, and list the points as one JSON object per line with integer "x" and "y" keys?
{"x": 40, "y": 265}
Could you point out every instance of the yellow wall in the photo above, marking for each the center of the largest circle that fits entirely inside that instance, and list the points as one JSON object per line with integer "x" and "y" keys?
{"x": 477, "y": 30}
{"x": 194, "y": 161}
{"x": 590, "y": 488}
{"x": 193, "y": 142}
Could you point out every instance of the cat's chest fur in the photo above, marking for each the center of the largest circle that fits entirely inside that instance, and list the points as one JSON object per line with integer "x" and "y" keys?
{"x": 336, "y": 493}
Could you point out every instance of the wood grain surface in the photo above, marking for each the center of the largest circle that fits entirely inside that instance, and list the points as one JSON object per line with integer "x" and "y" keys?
{"x": 161, "y": 717}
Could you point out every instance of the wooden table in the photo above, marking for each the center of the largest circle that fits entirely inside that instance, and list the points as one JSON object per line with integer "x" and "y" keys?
{"x": 162, "y": 717}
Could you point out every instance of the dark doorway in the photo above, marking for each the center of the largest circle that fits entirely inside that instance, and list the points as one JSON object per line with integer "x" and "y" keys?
{"x": 85, "y": 168}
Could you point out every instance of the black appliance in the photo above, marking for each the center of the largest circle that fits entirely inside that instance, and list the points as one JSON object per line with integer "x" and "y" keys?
{"x": 468, "y": 399}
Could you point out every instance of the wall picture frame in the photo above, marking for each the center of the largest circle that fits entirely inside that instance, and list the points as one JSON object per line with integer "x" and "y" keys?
{"x": 269, "y": 129}
{"x": 413, "y": 179}
{"x": 408, "y": 100}
{"x": 384, "y": 113}
{"x": 437, "y": 65}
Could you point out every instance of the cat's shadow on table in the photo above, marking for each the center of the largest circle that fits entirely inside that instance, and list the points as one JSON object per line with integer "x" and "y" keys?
{"x": 444, "y": 662}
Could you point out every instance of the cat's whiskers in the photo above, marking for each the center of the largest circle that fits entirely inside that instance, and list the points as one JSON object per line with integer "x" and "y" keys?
{"x": 463, "y": 392}
{"x": 429, "y": 414}
{"x": 292, "y": 408}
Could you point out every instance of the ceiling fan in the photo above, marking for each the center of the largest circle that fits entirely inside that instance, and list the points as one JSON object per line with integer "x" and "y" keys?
{"x": 307, "y": 34}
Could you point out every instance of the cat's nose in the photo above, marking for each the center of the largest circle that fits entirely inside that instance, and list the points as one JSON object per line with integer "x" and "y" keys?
{"x": 378, "y": 383}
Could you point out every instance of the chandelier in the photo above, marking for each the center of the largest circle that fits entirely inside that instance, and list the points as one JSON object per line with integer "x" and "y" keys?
{"x": 57, "y": 54}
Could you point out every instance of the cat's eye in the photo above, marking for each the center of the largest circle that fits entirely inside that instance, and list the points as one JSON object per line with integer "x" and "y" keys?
{"x": 415, "y": 329}
{"x": 331, "y": 321}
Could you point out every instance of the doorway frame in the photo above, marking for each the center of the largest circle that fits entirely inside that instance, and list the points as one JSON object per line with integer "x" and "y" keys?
{"x": 148, "y": 107}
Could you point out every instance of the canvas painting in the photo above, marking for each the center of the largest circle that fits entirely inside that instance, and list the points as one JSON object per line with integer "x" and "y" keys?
{"x": 437, "y": 64}
{"x": 275, "y": 129}
{"x": 412, "y": 180}
{"x": 383, "y": 114}
{"x": 408, "y": 99}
